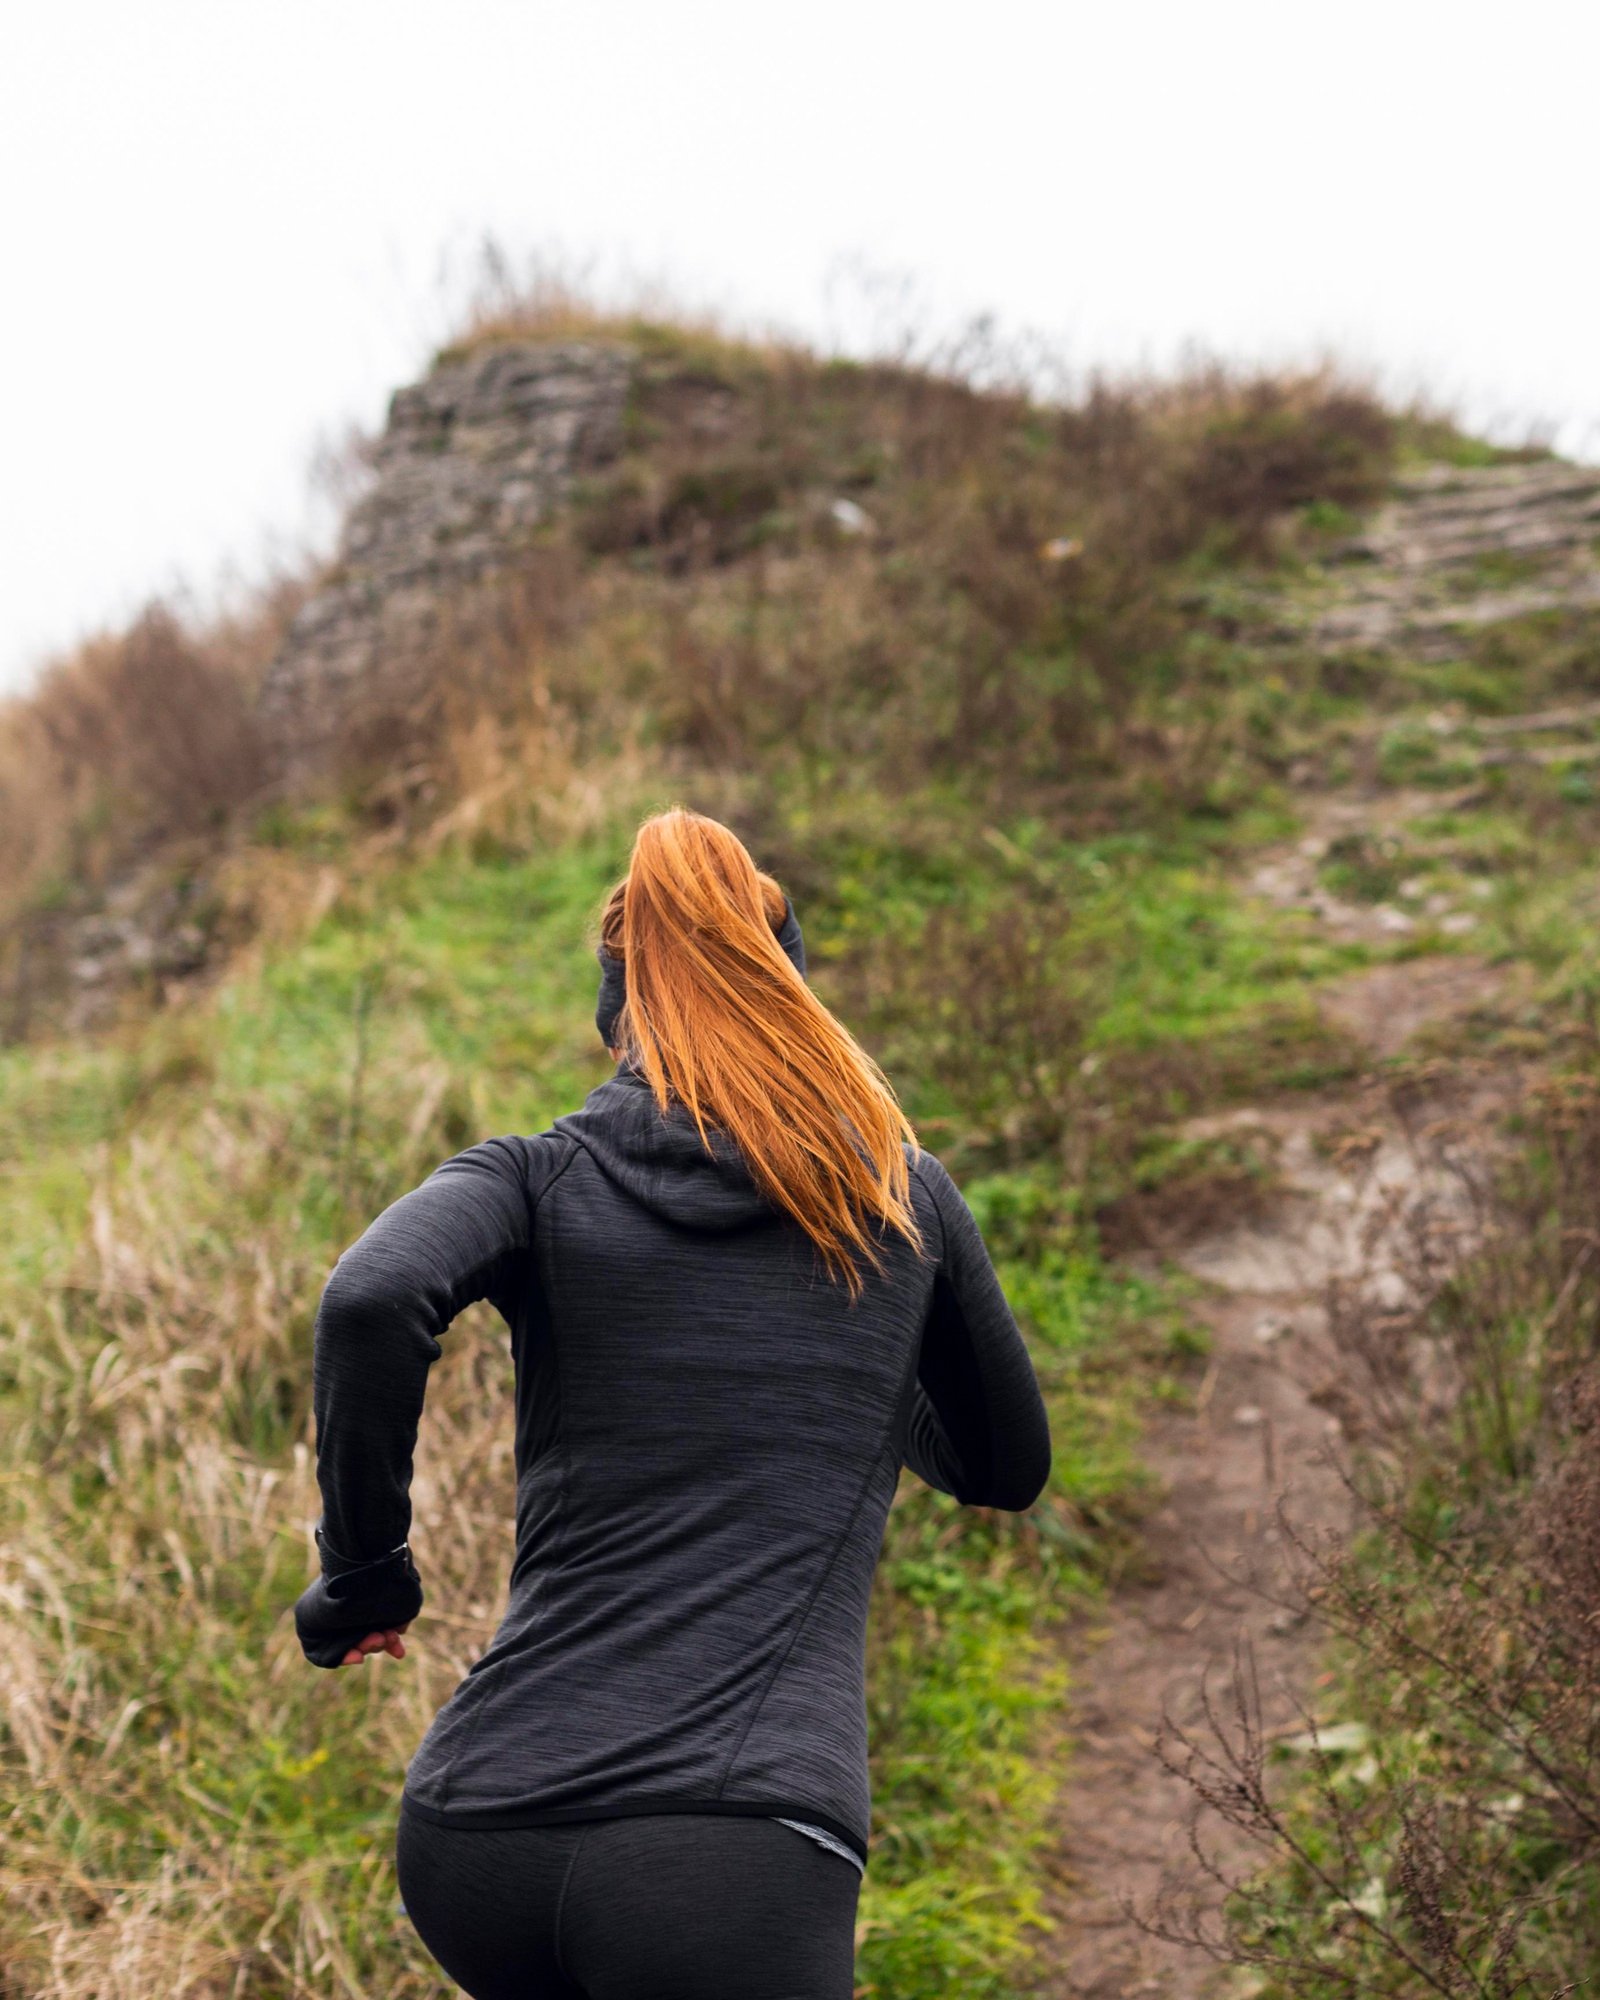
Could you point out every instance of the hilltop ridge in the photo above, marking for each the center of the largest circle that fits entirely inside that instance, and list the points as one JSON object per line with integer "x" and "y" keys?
{"x": 595, "y": 532}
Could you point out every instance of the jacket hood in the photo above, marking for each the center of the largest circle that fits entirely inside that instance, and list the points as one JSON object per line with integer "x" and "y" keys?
{"x": 659, "y": 1158}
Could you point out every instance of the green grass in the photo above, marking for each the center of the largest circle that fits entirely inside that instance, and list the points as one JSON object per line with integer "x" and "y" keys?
{"x": 175, "y": 1197}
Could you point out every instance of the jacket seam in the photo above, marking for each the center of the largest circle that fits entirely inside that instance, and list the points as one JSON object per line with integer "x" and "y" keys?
{"x": 532, "y": 1200}
{"x": 885, "y": 1441}
{"x": 573, "y": 1150}
{"x": 531, "y": 1204}
{"x": 563, "y": 1418}
{"x": 938, "y": 1208}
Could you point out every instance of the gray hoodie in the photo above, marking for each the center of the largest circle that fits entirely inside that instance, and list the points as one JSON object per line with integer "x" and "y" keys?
{"x": 709, "y": 1433}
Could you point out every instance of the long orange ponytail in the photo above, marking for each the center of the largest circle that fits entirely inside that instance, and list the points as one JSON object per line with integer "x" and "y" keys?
{"x": 717, "y": 1018}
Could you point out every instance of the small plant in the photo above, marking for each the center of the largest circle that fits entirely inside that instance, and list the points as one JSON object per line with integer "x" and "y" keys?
{"x": 1368, "y": 866}
{"x": 1412, "y": 753}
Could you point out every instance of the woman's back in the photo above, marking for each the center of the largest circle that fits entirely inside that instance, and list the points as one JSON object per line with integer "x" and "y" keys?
{"x": 708, "y": 1434}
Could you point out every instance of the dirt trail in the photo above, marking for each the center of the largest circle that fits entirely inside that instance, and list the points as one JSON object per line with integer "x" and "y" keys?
{"x": 1357, "y": 1173}
{"x": 1355, "y": 1169}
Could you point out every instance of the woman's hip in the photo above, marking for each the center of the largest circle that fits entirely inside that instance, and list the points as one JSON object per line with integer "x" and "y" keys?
{"x": 668, "y": 1906}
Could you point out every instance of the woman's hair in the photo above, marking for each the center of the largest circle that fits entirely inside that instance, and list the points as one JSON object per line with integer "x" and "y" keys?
{"x": 718, "y": 1018}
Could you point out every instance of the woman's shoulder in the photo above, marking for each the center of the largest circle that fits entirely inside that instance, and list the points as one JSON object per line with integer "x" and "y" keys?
{"x": 529, "y": 1159}
{"x": 544, "y": 1154}
{"x": 934, "y": 1195}
{"x": 928, "y": 1171}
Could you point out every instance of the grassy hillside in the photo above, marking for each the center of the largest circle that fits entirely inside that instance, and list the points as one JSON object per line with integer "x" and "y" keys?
{"x": 1010, "y": 744}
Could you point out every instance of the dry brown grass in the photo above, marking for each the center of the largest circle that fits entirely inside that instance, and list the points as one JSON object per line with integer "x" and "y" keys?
{"x": 897, "y": 574}
{"x": 156, "y": 1393}
{"x": 138, "y": 737}
{"x": 546, "y": 298}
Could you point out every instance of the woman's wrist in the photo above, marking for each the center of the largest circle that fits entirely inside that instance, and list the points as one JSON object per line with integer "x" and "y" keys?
{"x": 335, "y": 1563}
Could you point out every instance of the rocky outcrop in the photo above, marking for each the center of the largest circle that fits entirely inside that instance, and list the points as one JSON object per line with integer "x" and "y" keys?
{"x": 71, "y": 968}
{"x": 1448, "y": 515}
{"x": 473, "y": 459}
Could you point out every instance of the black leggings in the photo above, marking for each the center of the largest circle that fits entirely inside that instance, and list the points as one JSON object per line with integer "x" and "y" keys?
{"x": 668, "y": 1906}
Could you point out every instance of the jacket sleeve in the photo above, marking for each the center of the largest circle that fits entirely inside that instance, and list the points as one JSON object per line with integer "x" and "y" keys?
{"x": 456, "y": 1238}
{"x": 978, "y": 1428}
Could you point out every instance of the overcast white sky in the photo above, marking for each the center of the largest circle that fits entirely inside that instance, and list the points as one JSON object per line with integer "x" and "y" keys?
{"x": 225, "y": 225}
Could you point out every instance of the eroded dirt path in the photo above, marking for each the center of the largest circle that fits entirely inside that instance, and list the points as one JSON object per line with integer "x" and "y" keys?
{"x": 1357, "y": 1174}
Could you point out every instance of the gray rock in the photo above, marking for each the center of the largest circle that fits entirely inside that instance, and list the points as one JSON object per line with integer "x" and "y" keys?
{"x": 474, "y": 458}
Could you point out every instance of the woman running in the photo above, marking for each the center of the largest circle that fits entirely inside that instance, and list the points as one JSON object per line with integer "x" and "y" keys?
{"x": 739, "y": 1299}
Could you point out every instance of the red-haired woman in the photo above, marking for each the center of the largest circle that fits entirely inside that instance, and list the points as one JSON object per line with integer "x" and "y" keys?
{"x": 740, "y": 1298}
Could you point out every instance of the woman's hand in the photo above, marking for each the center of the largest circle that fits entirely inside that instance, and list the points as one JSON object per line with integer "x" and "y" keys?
{"x": 388, "y": 1642}
{"x": 342, "y": 1619}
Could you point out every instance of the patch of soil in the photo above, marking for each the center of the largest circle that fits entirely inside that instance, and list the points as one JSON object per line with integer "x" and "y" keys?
{"x": 1385, "y": 1006}
{"x": 1252, "y": 1433}
{"x": 1185, "y": 1209}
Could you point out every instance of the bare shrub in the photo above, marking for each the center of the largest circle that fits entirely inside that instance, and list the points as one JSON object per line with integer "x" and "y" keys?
{"x": 989, "y": 1009}
{"x": 1253, "y": 450}
{"x": 1437, "y": 1918}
